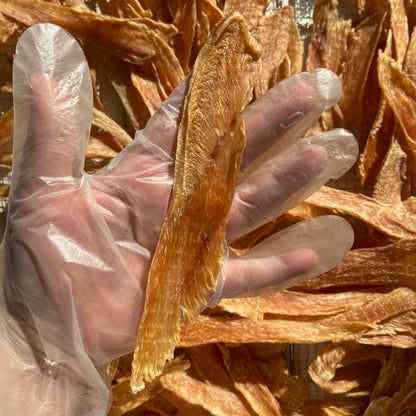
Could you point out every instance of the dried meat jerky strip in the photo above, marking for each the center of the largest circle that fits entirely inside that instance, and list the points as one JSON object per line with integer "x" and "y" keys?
{"x": 249, "y": 382}
{"x": 211, "y": 140}
{"x": 358, "y": 60}
{"x": 124, "y": 38}
{"x": 348, "y": 367}
{"x": 386, "y": 266}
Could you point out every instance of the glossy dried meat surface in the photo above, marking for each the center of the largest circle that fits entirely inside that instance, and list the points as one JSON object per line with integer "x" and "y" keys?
{"x": 211, "y": 141}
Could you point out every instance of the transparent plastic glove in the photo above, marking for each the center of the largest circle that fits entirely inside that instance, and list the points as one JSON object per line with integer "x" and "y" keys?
{"x": 77, "y": 247}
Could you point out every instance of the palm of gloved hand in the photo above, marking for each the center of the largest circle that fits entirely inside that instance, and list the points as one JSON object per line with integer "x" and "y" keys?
{"x": 79, "y": 246}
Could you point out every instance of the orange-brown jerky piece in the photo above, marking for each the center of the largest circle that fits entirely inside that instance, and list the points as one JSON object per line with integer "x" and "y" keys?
{"x": 211, "y": 140}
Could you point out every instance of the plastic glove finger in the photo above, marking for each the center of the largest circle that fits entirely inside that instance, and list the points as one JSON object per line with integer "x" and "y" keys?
{"x": 289, "y": 178}
{"x": 285, "y": 112}
{"x": 153, "y": 147}
{"x": 295, "y": 254}
{"x": 52, "y": 104}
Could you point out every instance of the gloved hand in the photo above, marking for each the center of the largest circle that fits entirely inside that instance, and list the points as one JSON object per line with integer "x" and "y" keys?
{"x": 77, "y": 247}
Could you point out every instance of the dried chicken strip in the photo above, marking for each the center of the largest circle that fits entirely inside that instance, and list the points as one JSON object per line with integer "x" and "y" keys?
{"x": 132, "y": 42}
{"x": 329, "y": 37}
{"x": 354, "y": 75}
{"x": 6, "y": 127}
{"x": 400, "y": 28}
{"x": 394, "y": 371}
{"x": 147, "y": 85}
{"x": 248, "y": 381}
{"x": 397, "y": 301}
{"x": 404, "y": 400}
{"x": 370, "y": 267}
{"x": 295, "y": 50}
{"x": 363, "y": 323}
{"x": 296, "y": 304}
{"x": 123, "y": 398}
{"x": 347, "y": 367}
{"x": 233, "y": 331}
{"x": 166, "y": 63}
{"x": 207, "y": 362}
{"x": 211, "y": 10}
{"x": 211, "y": 140}
{"x": 122, "y": 77}
{"x": 395, "y": 221}
{"x": 291, "y": 391}
{"x": 185, "y": 21}
{"x": 409, "y": 65}
{"x": 8, "y": 28}
{"x": 398, "y": 331}
{"x": 390, "y": 179}
{"x": 377, "y": 144}
{"x": 215, "y": 399}
{"x": 400, "y": 92}
{"x": 109, "y": 132}
{"x": 274, "y": 31}
{"x": 382, "y": 127}
{"x": 334, "y": 407}
{"x": 327, "y": 48}
{"x": 252, "y": 10}
{"x": 368, "y": 7}
{"x": 131, "y": 9}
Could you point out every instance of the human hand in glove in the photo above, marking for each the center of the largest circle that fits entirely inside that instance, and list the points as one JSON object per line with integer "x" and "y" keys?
{"x": 77, "y": 247}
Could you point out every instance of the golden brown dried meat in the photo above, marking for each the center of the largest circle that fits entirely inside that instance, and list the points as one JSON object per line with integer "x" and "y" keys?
{"x": 132, "y": 42}
{"x": 211, "y": 141}
{"x": 249, "y": 382}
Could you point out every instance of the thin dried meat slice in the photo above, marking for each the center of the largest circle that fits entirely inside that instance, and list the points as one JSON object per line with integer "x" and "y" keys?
{"x": 334, "y": 407}
{"x": 295, "y": 50}
{"x": 291, "y": 391}
{"x": 404, "y": 400}
{"x": 109, "y": 132}
{"x": 233, "y": 331}
{"x": 211, "y": 141}
{"x": 166, "y": 63}
{"x": 329, "y": 37}
{"x": 391, "y": 177}
{"x": 123, "y": 398}
{"x": 377, "y": 144}
{"x": 185, "y": 21}
{"x": 249, "y": 382}
{"x": 364, "y": 324}
{"x": 400, "y": 28}
{"x": 252, "y": 10}
{"x": 368, "y": 7}
{"x": 409, "y": 65}
{"x": 347, "y": 368}
{"x": 215, "y": 399}
{"x": 8, "y": 28}
{"x": 393, "y": 372}
{"x": 274, "y": 31}
{"x": 400, "y": 92}
{"x": 327, "y": 48}
{"x": 131, "y": 43}
{"x": 6, "y": 127}
{"x": 395, "y": 221}
{"x": 388, "y": 266}
{"x": 208, "y": 365}
{"x": 131, "y": 9}
{"x": 296, "y": 304}
{"x": 354, "y": 76}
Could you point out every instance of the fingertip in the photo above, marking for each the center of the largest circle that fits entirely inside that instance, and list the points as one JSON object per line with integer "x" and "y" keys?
{"x": 328, "y": 85}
